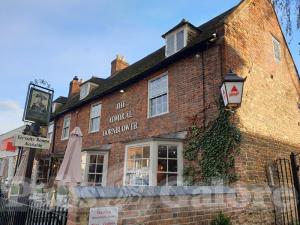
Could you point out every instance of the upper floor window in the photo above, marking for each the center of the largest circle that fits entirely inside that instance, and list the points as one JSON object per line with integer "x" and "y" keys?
{"x": 95, "y": 117}
{"x": 50, "y": 131}
{"x": 158, "y": 96}
{"x": 175, "y": 42}
{"x": 54, "y": 107}
{"x": 66, "y": 127}
{"x": 277, "y": 50}
{"x": 86, "y": 88}
{"x": 154, "y": 164}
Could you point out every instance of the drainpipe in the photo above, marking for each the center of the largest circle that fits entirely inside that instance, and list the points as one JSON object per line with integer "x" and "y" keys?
{"x": 203, "y": 89}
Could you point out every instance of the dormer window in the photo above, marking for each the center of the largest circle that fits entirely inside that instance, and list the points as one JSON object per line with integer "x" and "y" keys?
{"x": 54, "y": 106}
{"x": 175, "y": 41}
{"x": 86, "y": 88}
{"x": 179, "y": 37}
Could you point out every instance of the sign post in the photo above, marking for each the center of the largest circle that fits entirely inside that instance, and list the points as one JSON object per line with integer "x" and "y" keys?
{"x": 37, "y": 112}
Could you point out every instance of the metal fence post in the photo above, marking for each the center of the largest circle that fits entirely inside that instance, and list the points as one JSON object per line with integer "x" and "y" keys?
{"x": 295, "y": 169}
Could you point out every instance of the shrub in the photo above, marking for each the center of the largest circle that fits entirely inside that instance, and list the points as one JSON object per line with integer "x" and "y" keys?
{"x": 221, "y": 219}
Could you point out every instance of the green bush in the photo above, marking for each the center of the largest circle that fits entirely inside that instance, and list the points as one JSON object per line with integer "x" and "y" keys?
{"x": 221, "y": 219}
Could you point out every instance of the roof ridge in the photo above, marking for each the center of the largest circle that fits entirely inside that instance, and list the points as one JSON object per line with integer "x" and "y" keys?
{"x": 224, "y": 14}
{"x": 131, "y": 65}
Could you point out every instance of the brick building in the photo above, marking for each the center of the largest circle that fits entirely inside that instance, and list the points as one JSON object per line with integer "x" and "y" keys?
{"x": 135, "y": 122}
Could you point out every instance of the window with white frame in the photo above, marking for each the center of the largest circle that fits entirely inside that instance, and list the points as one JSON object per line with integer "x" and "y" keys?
{"x": 277, "y": 50}
{"x": 137, "y": 167}
{"x": 95, "y": 117}
{"x": 175, "y": 42}
{"x": 84, "y": 90}
{"x": 167, "y": 165}
{"x": 170, "y": 45}
{"x": 180, "y": 40}
{"x": 158, "y": 96}
{"x": 66, "y": 127}
{"x": 96, "y": 169}
{"x": 54, "y": 105}
{"x": 154, "y": 164}
{"x": 50, "y": 131}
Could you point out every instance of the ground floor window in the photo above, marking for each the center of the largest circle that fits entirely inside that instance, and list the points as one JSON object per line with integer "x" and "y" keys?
{"x": 137, "y": 170}
{"x": 167, "y": 165}
{"x": 43, "y": 171}
{"x": 56, "y": 162}
{"x": 96, "y": 169}
{"x": 153, "y": 163}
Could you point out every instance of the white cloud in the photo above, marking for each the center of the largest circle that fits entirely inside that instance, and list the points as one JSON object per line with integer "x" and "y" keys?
{"x": 10, "y": 115}
{"x": 9, "y": 106}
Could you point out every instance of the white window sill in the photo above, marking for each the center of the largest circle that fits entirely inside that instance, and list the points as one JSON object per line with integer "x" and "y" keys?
{"x": 161, "y": 114}
{"x": 95, "y": 131}
{"x": 64, "y": 139}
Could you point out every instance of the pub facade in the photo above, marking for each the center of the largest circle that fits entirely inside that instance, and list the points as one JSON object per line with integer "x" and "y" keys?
{"x": 135, "y": 122}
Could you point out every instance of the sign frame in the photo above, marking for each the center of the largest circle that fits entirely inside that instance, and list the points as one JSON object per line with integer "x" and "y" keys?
{"x": 103, "y": 215}
{"x": 27, "y": 141}
{"x": 33, "y": 113}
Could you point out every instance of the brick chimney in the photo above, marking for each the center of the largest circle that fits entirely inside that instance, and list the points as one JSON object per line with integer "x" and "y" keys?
{"x": 74, "y": 87}
{"x": 118, "y": 64}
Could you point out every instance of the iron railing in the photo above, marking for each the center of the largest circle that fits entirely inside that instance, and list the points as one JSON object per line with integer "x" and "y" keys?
{"x": 29, "y": 212}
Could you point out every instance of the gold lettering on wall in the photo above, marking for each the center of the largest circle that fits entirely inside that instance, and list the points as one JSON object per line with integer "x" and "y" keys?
{"x": 120, "y": 117}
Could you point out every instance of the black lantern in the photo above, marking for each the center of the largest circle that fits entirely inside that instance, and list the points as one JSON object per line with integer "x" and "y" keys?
{"x": 232, "y": 90}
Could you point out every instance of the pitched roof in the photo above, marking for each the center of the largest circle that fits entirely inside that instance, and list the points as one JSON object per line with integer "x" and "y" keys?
{"x": 182, "y": 23}
{"x": 95, "y": 80}
{"x": 61, "y": 99}
{"x": 145, "y": 66}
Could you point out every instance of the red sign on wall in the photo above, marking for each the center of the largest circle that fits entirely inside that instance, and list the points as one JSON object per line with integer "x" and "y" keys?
{"x": 7, "y": 145}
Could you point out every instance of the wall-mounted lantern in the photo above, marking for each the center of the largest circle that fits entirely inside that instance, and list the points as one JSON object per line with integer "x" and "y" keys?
{"x": 232, "y": 90}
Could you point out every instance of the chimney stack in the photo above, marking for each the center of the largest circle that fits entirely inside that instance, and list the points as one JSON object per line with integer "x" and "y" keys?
{"x": 74, "y": 87}
{"x": 118, "y": 64}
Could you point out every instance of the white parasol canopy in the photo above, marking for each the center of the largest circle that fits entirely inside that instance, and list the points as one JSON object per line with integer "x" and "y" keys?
{"x": 70, "y": 169}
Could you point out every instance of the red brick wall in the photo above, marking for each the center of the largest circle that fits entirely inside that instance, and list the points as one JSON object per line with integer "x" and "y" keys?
{"x": 272, "y": 89}
{"x": 246, "y": 206}
{"x": 166, "y": 210}
{"x": 268, "y": 116}
{"x": 185, "y": 101}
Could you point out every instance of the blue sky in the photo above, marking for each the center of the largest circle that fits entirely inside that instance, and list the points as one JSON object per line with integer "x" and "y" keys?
{"x": 58, "y": 39}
